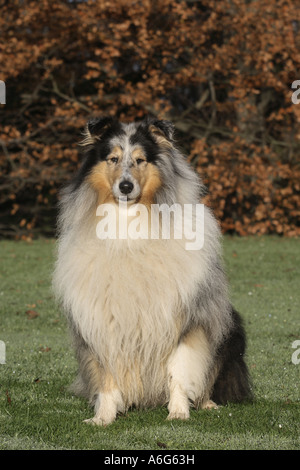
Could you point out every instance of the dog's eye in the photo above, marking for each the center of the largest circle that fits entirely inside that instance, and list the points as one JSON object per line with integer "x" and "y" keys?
{"x": 114, "y": 159}
{"x": 139, "y": 160}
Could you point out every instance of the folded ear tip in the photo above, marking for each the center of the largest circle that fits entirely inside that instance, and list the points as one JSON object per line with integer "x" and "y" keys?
{"x": 165, "y": 126}
{"x": 96, "y": 124}
{"x": 94, "y": 129}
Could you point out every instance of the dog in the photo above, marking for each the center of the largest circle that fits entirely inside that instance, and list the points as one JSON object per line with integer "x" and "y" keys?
{"x": 151, "y": 321}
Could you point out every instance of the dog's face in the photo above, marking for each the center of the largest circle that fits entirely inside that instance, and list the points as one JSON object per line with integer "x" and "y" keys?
{"x": 121, "y": 160}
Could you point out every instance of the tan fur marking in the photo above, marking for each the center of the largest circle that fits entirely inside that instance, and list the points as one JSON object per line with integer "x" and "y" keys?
{"x": 95, "y": 374}
{"x": 131, "y": 376}
{"x": 109, "y": 383}
{"x": 138, "y": 153}
{"x": 101, "y": 179}
{"x": 195, "y": 339}
{"x": 116, "y": 152}
{"x": 150, "y": 182}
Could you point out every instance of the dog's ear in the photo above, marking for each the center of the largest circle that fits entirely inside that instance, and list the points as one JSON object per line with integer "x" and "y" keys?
{"x": 97, "y": 126}
{"x": 162, "y": 131}
{"x": 95, "y": 129}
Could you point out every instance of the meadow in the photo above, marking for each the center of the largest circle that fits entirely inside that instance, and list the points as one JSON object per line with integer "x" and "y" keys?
{"x": 38, "y": 412}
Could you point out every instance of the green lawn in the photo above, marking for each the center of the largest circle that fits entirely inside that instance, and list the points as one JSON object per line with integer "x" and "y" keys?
{"x": 37, "y": 411}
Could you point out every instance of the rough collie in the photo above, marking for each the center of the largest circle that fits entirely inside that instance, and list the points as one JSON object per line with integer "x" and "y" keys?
{"x": 151, "y": 320}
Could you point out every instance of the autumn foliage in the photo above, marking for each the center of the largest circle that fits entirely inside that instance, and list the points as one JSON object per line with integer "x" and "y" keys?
{"x": 221, "y": 70}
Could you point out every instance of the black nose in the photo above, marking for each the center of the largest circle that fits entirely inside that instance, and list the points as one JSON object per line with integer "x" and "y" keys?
{"x": 126, "y": 187}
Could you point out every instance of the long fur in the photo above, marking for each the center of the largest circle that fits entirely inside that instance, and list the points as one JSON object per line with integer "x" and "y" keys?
{"x": 152, "y": 321}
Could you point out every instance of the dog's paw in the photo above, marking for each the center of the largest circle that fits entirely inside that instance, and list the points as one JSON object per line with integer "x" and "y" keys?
{"x": 209, "y": 405}
{"x": 178, "y": 414}
{"x": 98, "y": 421}
{"x": 94, "y": 421}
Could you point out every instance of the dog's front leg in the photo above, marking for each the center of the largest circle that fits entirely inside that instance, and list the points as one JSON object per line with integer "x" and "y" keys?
{"x": 187, "y": 369}
{"x": 108, "y": 403}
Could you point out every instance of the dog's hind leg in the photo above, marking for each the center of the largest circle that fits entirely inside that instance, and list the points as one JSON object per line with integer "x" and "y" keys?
{"x": 233, "y": 382}
{"x": 187, "y": 370}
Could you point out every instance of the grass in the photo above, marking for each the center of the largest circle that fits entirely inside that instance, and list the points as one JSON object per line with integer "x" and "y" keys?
{"x": 37, "y": 411}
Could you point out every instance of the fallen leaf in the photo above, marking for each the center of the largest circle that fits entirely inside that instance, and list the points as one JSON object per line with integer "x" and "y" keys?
{"x": 45, "y": 349}
{"x": 31, "y": 314}
{"x": 161, "y": 444}
{"x": 8, "y": 397}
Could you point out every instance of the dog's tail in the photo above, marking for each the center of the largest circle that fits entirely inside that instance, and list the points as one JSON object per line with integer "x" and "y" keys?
{"x": 233, "y": 381}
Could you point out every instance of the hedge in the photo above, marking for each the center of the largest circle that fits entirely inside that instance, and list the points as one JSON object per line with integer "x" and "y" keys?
{"x": 222, "y": 71}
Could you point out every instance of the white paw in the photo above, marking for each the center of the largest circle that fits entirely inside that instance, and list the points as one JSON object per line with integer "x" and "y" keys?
{"x": 106, "y": 408}
{"x": 179, "y": 414}
{"x": 98, "y": 421}
{"x": 209, "y": 405}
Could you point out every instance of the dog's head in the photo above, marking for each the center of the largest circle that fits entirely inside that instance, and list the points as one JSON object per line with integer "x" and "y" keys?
{"x": 122, "y": 160}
